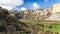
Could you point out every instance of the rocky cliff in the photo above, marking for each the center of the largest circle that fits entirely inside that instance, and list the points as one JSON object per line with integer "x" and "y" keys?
{"x": 50, "y": 13}
{"x": 56, "y": 13}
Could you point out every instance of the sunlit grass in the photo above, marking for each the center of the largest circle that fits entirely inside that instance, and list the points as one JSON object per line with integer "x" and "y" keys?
{"x": 54, "y": 26}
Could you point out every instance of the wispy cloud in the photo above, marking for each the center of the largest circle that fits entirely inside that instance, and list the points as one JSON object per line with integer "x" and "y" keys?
{"x": 10, "y": 4}
{"x": 36, "y": 5}
{"x": 23, "y": 8}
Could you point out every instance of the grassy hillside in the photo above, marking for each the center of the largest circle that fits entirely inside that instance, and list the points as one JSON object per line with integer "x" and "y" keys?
{"x": 54, "y": 26}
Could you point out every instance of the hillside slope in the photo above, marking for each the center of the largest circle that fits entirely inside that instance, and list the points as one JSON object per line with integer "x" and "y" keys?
{"x": 10, "y": 25}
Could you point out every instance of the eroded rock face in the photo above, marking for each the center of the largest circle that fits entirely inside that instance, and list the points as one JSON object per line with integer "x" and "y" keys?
{"x": 56, "y": 8}
{"x": 56, "y": 13}
{"x": 38, "y": 14}
{"x": 54, "y": 17}
{"x": 50, "y": 13}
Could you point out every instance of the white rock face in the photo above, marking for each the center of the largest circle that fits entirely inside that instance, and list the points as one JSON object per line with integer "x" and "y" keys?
{"x": 56, "y": 8}
{"x": 56, "y": 13}
{"x": 55, "y": 17}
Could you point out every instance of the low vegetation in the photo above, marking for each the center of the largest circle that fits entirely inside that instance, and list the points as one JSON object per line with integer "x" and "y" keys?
{"x": 54, "y": 25}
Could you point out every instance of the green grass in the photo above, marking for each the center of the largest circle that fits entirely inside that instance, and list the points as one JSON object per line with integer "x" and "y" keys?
{"x": 54, "y": 26}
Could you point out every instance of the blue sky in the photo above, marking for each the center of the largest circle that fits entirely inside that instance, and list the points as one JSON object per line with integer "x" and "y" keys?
{"x": 27, "y": 4}
{"x": 42, "y": 4}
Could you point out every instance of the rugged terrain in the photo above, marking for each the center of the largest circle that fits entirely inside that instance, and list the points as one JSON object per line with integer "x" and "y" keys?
{"x": 51, "y": 13}
{"x": 11, "y": 25}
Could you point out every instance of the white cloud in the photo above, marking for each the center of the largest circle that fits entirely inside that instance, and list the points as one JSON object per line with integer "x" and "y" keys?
{"x": 23, "y": 8}
{"x": 35, "y": 6}
{"x": 10, "y": 4}
{"x": 46, "y": 0}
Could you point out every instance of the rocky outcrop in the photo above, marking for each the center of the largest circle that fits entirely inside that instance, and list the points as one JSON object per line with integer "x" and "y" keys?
{"x": 56, "y": 13}
{"x": 38, "y": 14}
{"x": 50, "y": 13}
{"x": 56, "y": 8}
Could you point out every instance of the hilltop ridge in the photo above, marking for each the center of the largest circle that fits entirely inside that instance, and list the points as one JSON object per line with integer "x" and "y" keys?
{"x": 43, "y": 14}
